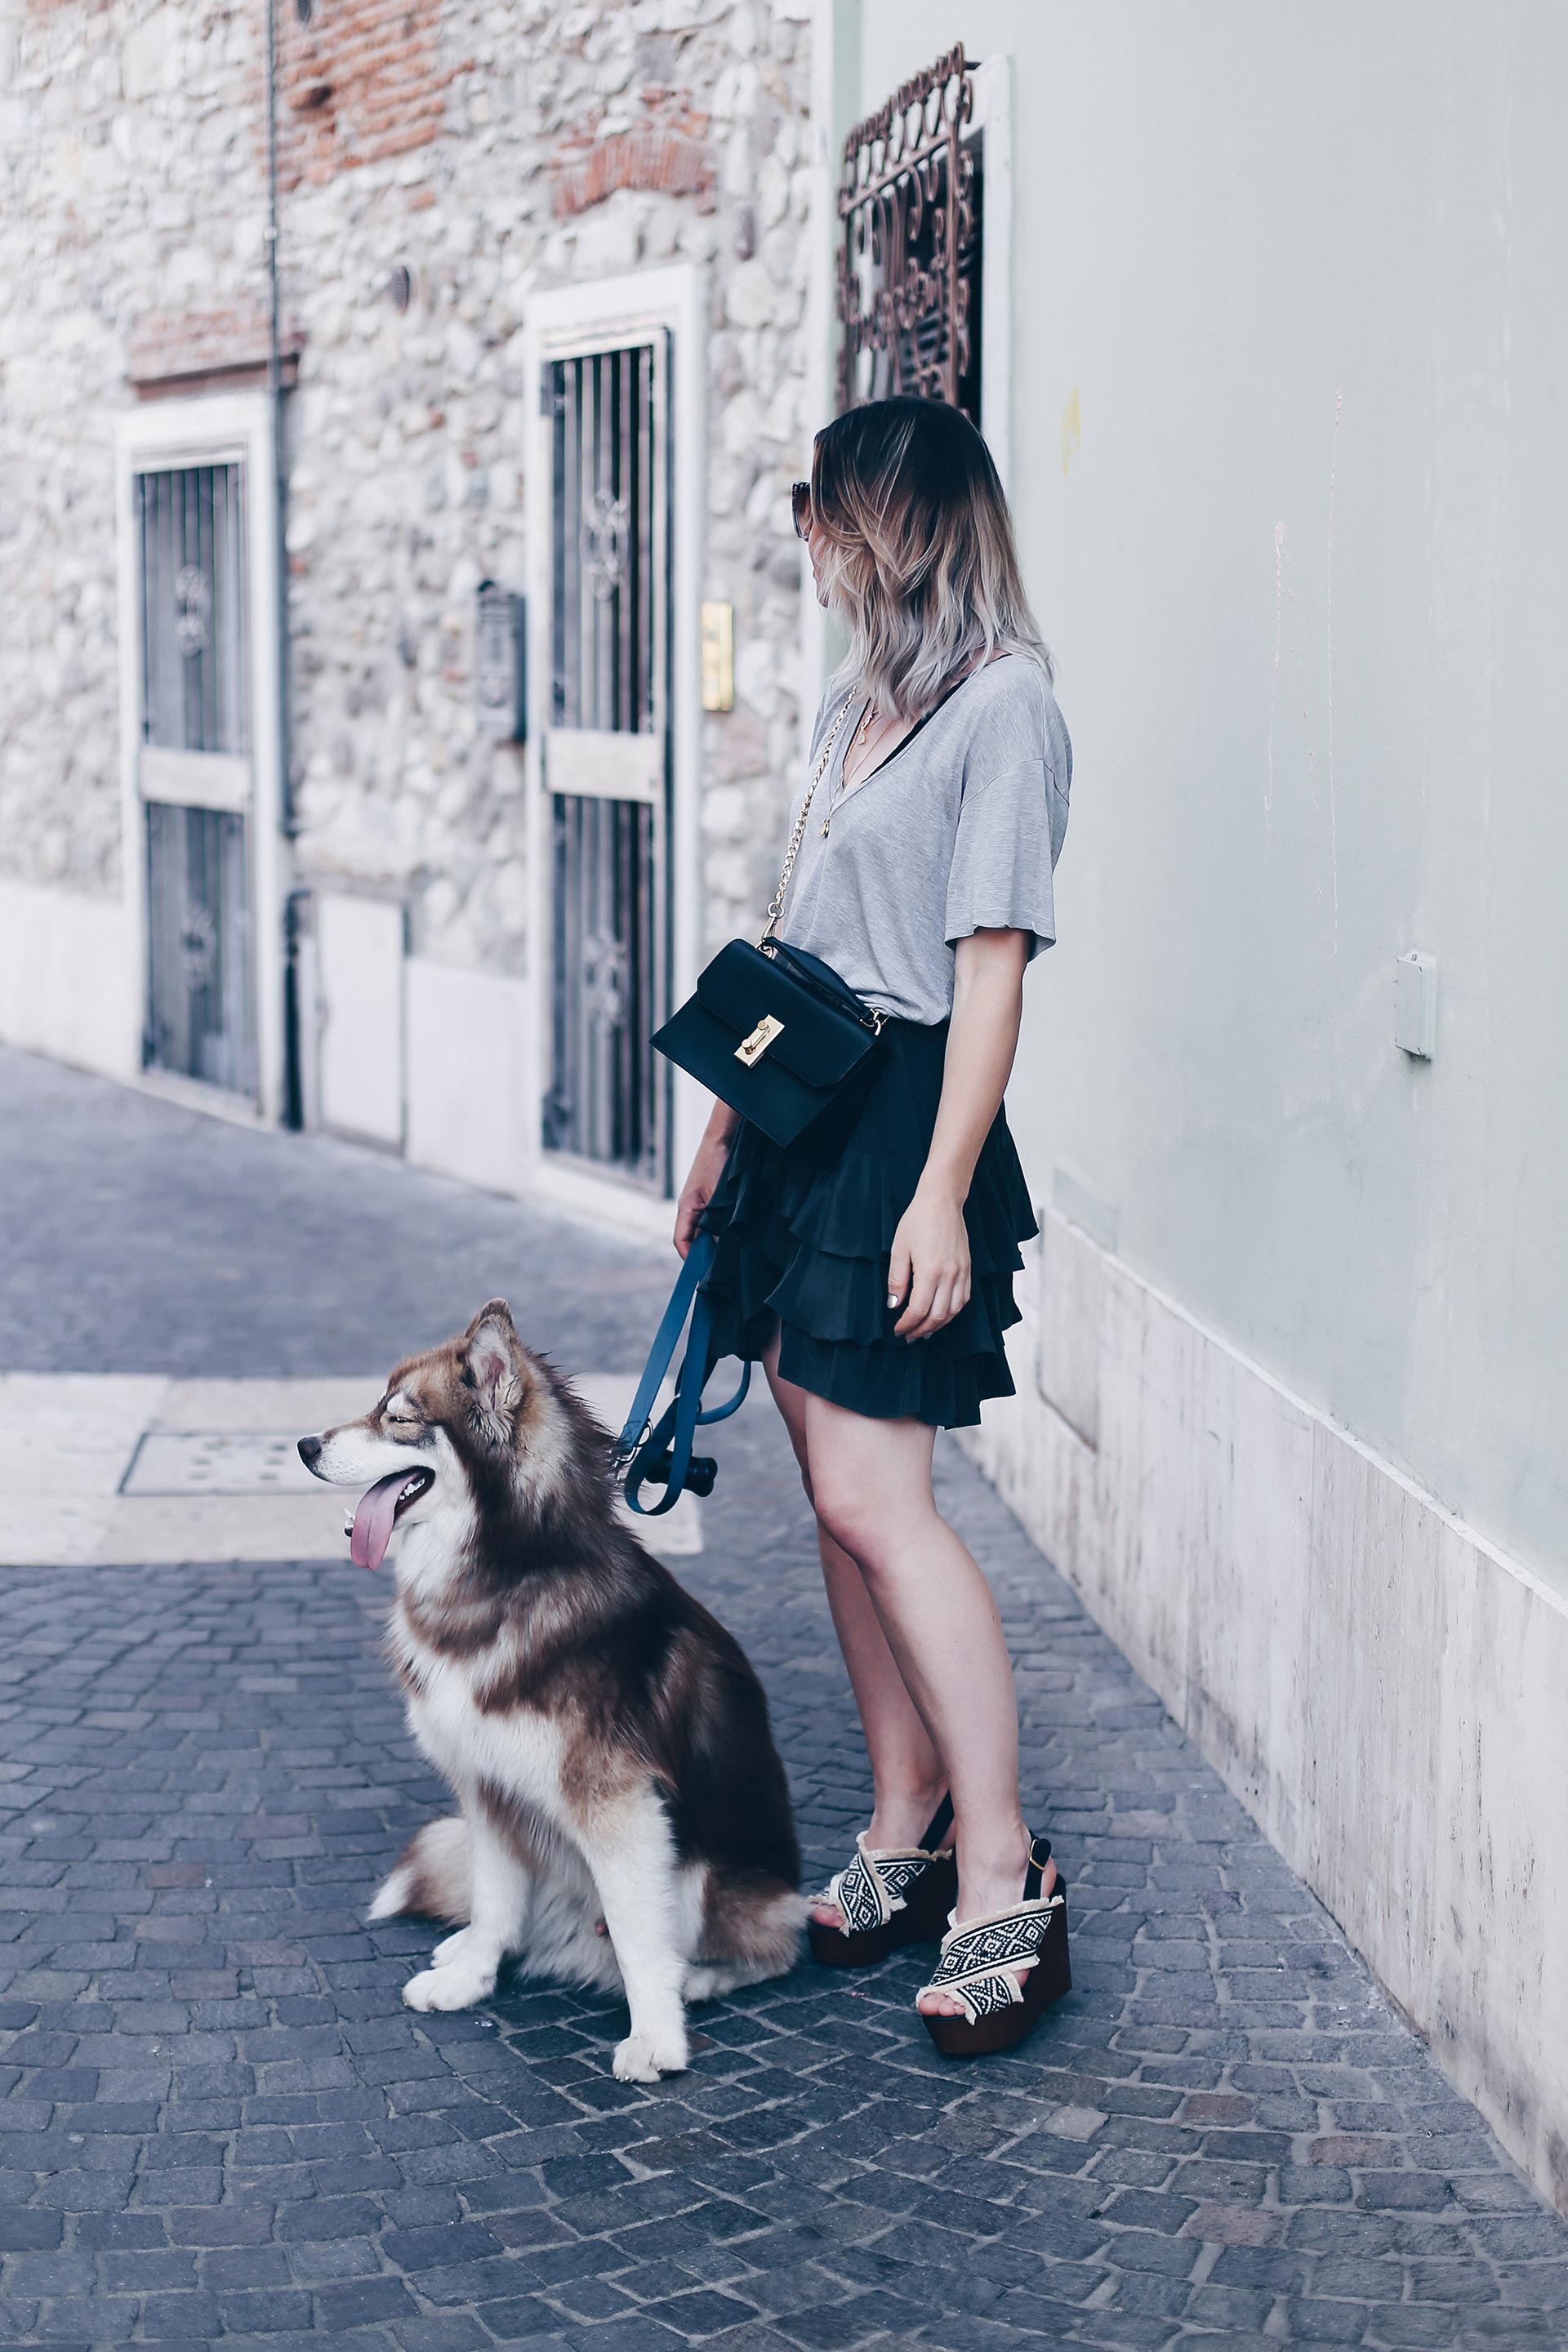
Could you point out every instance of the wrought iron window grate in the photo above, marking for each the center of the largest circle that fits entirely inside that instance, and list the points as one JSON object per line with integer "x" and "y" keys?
{"x": 910, "y": 197}
{"x": 191, "y": 536}
{"x": 200, "y": 1017}
{"x": 602, "y": 413}
{"x": 606, "y": 1101}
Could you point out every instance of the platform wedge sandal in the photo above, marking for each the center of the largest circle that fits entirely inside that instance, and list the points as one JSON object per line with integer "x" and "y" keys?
{"x": 889, "y": 1895}
{"x": 979, "y": 1958}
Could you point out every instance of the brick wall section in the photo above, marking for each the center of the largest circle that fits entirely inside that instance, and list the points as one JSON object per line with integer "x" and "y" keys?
{"x": 364, "y": 80}
{"x": 235, "y": 338}
{"x": 669, "y": 151}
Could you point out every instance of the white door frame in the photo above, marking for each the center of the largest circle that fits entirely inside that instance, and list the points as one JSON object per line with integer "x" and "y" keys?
{"x": 599, "y": 316}
{"x": 222, "y": 428}
{"x": 994, "y": 115}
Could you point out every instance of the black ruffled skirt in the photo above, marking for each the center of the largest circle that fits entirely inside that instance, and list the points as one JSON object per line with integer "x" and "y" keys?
{"x": 806, "y": 1231}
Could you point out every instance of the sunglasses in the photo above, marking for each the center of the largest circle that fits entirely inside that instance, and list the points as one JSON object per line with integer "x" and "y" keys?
{"x": 800, "y": 508}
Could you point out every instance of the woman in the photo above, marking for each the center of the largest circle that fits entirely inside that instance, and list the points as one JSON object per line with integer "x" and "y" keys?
{"x": 869, "y": 1264}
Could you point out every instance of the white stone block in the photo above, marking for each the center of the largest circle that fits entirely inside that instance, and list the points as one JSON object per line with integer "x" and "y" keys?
{"x": 750, "y": 296}
{"x": 1378, "y": 1683}
{"x": 149, "y": 60}
{"x": 728, "y": 872}
{"x": 66, "y": 983}
{"x": 607, "y": 241}
{"x": 473, "y": 1110}
{"x": 725, "y": 813}
{"x": 782, "y": 249}
{"x": 359, "y": 959}
{"x": 741, "y": 422}
{"x": 756, "y": 675}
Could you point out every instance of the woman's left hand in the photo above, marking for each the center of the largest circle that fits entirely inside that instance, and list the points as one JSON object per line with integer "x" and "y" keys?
{"x": 928, "y": 1272}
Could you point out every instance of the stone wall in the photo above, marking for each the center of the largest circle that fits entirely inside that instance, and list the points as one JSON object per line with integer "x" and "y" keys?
{"x": 488, "y": 151}
{"x": 129, "y": 186}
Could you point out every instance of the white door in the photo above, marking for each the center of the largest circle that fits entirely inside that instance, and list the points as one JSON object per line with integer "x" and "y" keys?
{"x": 194, "y": 774}
{"x": 606, "y": 757}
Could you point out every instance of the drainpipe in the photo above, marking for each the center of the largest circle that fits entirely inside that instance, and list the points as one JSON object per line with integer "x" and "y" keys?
{"x": 293, "y": 1104}
{"x": 275, "y": 392}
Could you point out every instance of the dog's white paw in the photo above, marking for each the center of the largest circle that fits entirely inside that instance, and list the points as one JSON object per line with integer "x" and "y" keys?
{"x": 639, "y": 2059}
{"x": 449, "y": 1988}
{"x": 451, "y": 1947}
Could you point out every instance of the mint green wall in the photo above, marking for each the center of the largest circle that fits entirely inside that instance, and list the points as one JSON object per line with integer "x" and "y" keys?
{"x": 1298, "y": 273}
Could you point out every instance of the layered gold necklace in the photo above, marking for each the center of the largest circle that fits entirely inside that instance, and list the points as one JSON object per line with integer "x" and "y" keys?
{"x": 870, "y": 727}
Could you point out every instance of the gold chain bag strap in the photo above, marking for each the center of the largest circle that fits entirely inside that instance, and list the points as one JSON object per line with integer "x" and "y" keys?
{"x": 775, "y": 905}
{"x": 772, "y": 1030}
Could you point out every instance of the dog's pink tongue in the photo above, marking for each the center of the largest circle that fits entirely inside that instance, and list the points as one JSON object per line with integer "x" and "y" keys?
{"x": 374, "y": 1518}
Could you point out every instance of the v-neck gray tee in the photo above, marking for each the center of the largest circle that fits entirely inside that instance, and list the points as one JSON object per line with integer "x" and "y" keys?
{"x": 958, "y": 830}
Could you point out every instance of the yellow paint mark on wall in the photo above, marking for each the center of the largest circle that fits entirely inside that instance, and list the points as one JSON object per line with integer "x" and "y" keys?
{"x": 1072, "y": 431}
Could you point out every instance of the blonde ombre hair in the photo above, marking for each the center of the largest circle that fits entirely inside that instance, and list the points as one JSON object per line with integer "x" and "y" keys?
{"x": 919, "y": 558}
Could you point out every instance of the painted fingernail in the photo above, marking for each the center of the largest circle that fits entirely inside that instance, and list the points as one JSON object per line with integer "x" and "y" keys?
{"x": 892, "y": 1297}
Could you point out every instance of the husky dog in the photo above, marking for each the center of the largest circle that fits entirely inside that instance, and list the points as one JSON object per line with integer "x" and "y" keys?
{"x": 625, "y": 1822}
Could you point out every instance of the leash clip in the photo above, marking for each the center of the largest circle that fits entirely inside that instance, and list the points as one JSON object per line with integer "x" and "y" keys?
{"x": 649, "y": 1453}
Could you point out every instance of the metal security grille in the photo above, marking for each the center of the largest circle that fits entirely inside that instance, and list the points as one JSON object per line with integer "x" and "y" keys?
{"x": 911, "y": 200}
{"x": 195, "y": 775}
{"x": 602, "y": 410}
{"x": 604, "y": 758}
{"x": 200, "y": 1015}
{"x": 606, "y": 940}
{"x": 193, "y": 574}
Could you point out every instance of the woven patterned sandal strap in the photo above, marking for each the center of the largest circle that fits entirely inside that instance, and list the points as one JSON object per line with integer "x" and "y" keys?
{"x": 871, "y": 1888}
{"x": 1003, "y": 1939}
{"x": 997, "y": 1941}
{"x": 981, "y": 1960}
{"x": 857, "y": 1892}
{"x": 982, "y": 1996}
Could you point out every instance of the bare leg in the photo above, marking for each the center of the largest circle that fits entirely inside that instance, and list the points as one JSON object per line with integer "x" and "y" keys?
{"x": 908, "y": 1778}
{"x": 870, "y": 1485}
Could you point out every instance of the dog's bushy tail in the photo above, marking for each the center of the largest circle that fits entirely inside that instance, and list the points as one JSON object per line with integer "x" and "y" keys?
{"x": 431, "y": 1877}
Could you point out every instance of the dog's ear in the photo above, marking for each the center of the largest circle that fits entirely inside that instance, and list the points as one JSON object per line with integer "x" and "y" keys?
{"x": 495, "y": 1357}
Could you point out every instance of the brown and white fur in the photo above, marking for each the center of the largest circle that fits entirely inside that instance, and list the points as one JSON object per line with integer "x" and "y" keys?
{"x": 625, "y": 1822}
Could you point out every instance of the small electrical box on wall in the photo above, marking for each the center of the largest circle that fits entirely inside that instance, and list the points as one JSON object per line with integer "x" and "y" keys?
{"x": 1415, "y": 1005}
{"x": 718, "y": 642}
{"x": 500, "y": 669}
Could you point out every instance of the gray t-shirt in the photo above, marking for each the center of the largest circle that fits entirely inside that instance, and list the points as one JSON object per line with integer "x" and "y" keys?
{"x": 958, "y": 830}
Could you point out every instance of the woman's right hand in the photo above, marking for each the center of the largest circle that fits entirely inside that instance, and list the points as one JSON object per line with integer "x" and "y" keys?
{"x": 706, "y": 1169}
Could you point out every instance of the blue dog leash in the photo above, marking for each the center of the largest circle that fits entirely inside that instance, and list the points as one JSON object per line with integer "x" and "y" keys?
{"x": 663, "y": 1454}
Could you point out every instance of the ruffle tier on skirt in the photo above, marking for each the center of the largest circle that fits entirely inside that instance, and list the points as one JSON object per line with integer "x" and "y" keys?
{"x": 805, "y": 1232}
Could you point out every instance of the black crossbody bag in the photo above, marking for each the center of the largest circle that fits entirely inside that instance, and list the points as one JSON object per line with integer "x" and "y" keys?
{"x": 772, "y": 1031}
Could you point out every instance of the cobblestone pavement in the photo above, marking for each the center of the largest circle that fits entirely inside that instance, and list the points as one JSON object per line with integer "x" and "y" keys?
{"x": 221, "y": 2124}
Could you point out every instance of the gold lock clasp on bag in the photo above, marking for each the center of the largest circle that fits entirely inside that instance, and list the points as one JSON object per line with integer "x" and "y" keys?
{"x": 751, "y": 1049}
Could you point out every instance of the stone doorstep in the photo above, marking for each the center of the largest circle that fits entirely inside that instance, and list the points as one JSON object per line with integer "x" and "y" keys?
{"x": 120, "y": 1471}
